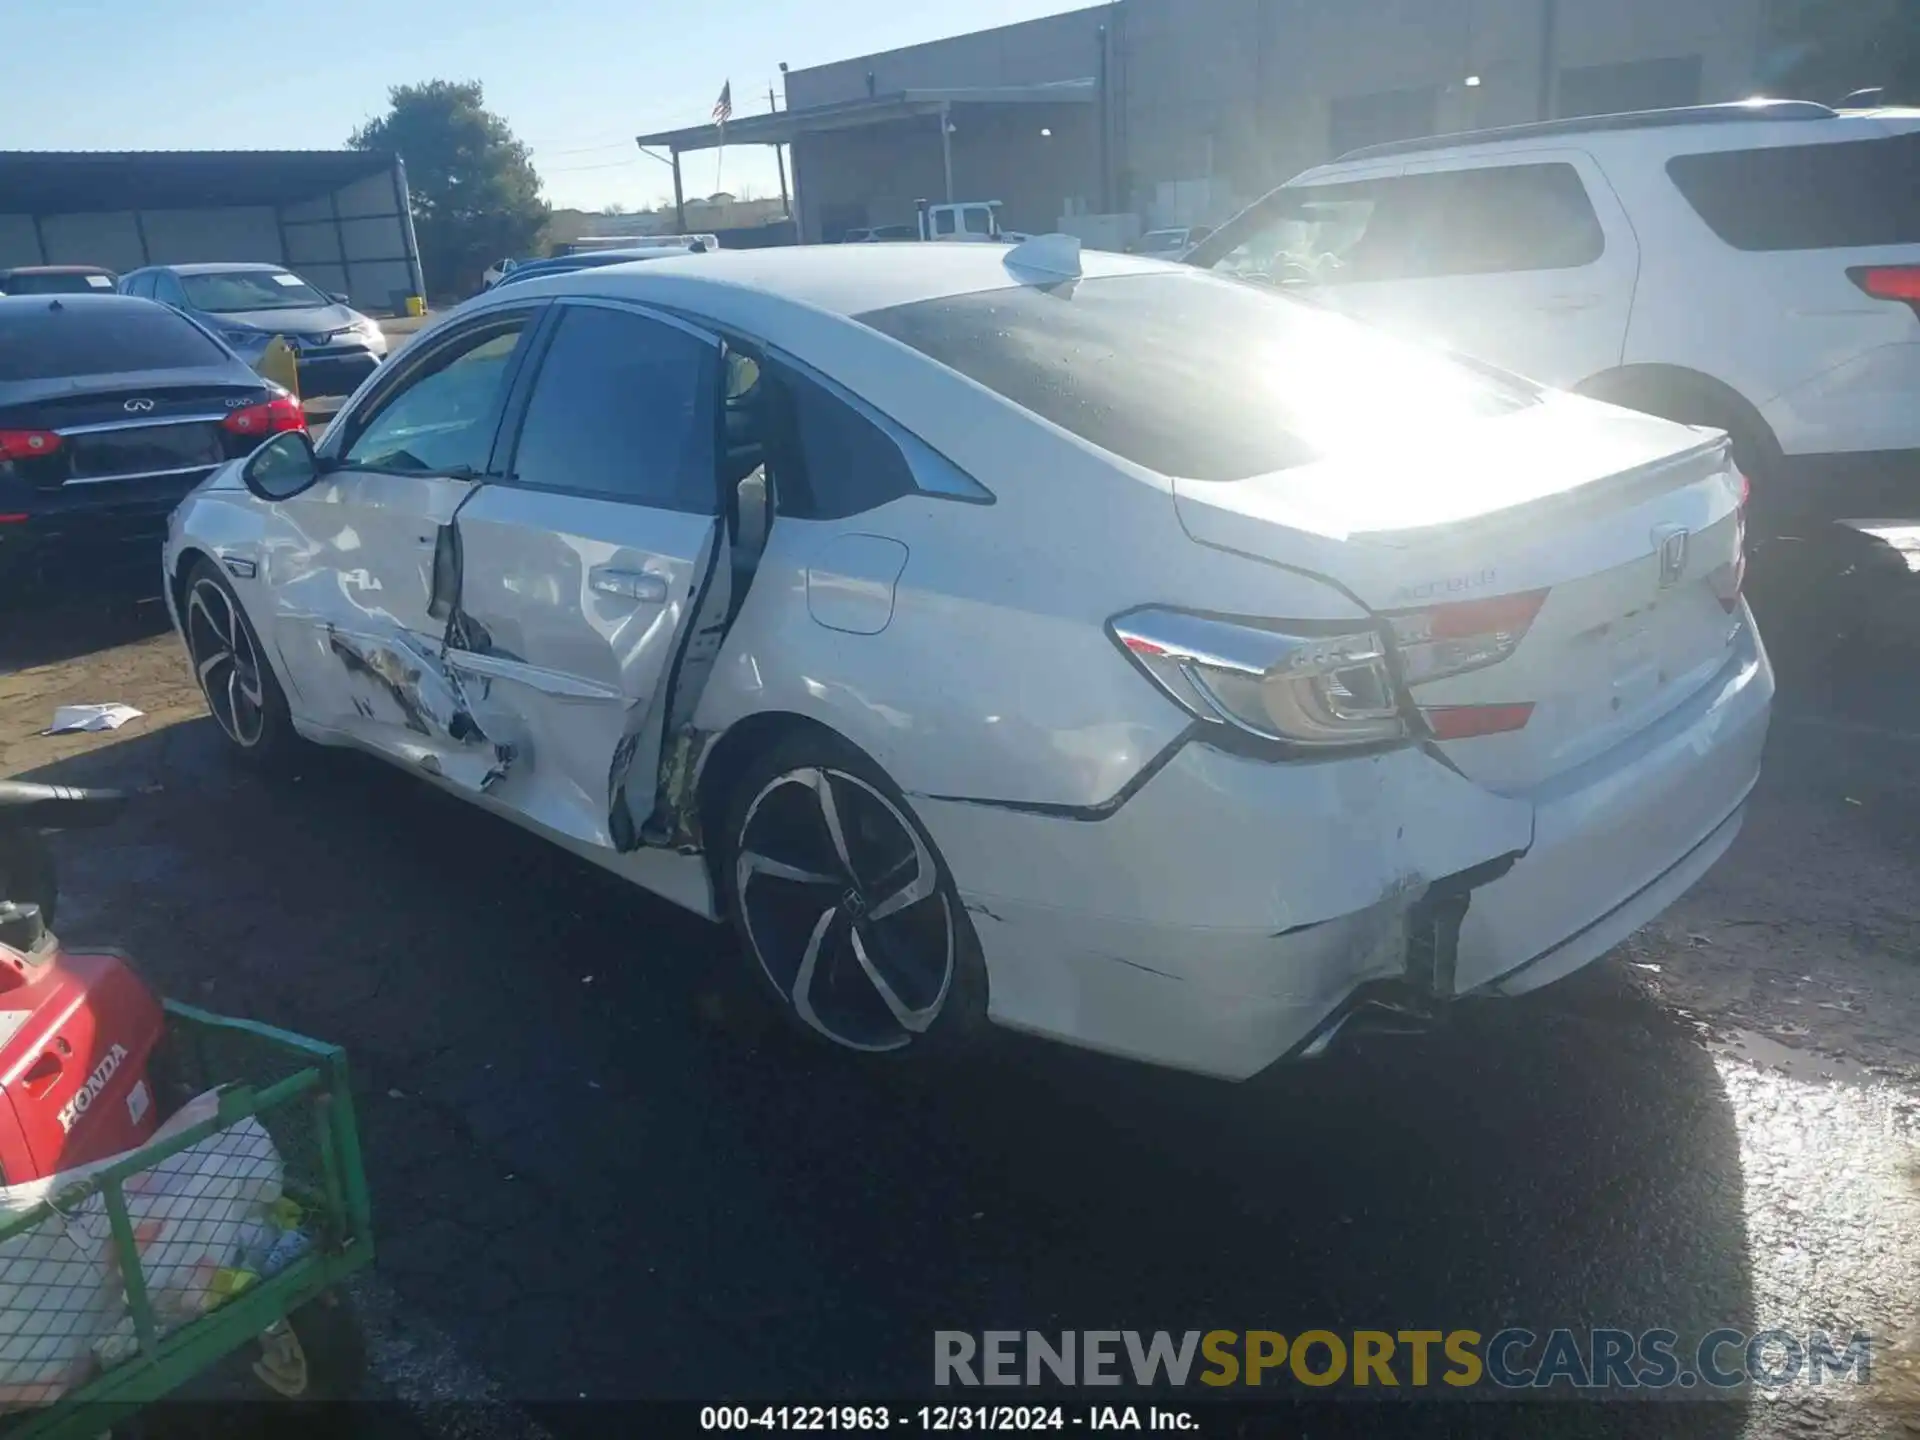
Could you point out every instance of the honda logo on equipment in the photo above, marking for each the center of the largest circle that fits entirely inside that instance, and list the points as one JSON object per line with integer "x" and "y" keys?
{"x": 1672, "y": 543}
{"x": 142, "y": 403}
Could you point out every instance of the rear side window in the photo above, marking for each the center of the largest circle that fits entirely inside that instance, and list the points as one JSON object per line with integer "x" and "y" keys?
{"x": 1848, "y": 195}
{"x": 830, "y": 461}
{"x": 54, "y": 341}
{"x": 1194, "y": 377}
{"x": 624, "y": 408}
{"x": 1498, "y": 220}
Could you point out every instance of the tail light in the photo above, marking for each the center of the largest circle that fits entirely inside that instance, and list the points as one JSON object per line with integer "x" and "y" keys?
{"x": 1455, "y": 639}
{"x": 1731, "y": 578}
{"x": 1889, "y": 282}
{"x": 1316, "y": 690}
{"x": 28, "y": 444}
{"x": 270, "y": 417}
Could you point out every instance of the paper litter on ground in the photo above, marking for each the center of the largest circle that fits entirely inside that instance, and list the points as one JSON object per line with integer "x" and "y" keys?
{"x": 69, "y": 718}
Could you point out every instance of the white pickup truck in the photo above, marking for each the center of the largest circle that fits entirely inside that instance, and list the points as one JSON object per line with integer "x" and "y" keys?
{"x": 965, "y": 220}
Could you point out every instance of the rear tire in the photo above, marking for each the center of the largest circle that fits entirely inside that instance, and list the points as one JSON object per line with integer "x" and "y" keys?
{"x": 230, "y": 664}
{"x": 846, "y": 914}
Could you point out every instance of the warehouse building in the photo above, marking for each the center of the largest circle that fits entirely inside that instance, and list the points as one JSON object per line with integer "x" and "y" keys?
{"x": 1179, "y": 111}
{"x": 340, "y": 218}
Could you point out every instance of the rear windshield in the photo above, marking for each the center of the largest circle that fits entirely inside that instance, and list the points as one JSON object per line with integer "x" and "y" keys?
{"x": 1850, "y": 195}
{"x": 54, "y": 341}
{"x": 227, "y": 292}
{"x": 1197, "y": 377}
{"x": 56, "y": 283}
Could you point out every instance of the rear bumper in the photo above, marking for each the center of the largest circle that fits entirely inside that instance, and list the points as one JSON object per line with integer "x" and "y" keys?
{"x": 1870, "y": 403}
{"x": 1607, "y": 834}
{"x": 79, "y": 548}
{"x": 1231, "y": 910}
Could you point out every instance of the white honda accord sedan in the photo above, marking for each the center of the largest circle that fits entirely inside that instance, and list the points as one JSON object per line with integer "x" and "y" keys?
{"x": 1088, "y": 645}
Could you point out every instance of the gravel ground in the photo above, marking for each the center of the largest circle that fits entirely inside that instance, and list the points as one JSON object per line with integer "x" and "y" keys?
{"x": 594, "y": 1177}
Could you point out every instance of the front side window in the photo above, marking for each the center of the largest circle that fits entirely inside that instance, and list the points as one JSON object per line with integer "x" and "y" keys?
{"x": 1852, "y": 194}
{"x": 441, "y": 417}
{"x": 232, "y": 292}
{"x": 978, "y": 220}
{"x": 943, "y": 222}
{"x": 1190, "y": 377}
{"x": 624, "y": 408}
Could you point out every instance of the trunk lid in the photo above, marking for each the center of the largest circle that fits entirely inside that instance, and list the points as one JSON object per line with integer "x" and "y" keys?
{"x": 1555, "y": 579}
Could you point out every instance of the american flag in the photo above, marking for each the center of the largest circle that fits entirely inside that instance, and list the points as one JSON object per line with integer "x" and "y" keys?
{"x": 723, "y": 107}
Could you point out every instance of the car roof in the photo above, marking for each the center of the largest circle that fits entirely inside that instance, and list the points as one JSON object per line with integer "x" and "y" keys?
{"x": 219, "y": 267}
{"x": 1741, "y": 112}
{"x": 832, "y": 278}
{"x": 80, "y": 300}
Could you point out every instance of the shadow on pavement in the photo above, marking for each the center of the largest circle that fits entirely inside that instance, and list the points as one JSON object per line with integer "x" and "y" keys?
{"x": 600, "y": 1184}
{"x": 65, "y": 628}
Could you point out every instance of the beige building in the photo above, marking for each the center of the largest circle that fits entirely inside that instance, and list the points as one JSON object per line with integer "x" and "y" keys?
{"x": 1178, "y": 110}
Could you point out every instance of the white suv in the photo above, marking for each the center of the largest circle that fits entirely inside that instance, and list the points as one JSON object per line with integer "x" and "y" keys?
{"x": 1753, "y": 267}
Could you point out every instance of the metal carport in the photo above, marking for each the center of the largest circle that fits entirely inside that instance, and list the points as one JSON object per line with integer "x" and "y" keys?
{"x": 783, "y": 127}
{"x": 341, "y": 218}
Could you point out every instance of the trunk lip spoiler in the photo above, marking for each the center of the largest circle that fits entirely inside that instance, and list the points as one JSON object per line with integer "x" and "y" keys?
{"x": 1629, "y": 484}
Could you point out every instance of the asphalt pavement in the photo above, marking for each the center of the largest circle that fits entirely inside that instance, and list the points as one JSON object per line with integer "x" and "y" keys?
{"x": 597, "y": 1175}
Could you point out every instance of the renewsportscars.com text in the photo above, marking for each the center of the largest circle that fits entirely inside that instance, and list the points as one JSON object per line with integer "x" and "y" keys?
{"x": 1512, "y": 1359}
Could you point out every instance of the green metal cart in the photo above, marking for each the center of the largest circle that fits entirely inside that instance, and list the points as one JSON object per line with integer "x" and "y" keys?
{"x": 291, "y": 1088}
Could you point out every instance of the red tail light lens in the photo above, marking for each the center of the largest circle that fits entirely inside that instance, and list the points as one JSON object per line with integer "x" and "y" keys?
{"x": 1464, "y": 722}
{"x": 283, "y": 412}
{"x": 28, "y": 444}
{"x": 1453, "y": 639}
{"x": 1731, "y": 577}
{"x": 1889, "y": 282}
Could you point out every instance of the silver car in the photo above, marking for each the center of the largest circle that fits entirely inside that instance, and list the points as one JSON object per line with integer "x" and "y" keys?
{"x": 246, "y": 305}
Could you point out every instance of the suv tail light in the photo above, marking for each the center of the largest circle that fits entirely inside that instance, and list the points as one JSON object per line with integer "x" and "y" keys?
{"x": 1889, "y": 282}
{"x": 270, "y": 417}
{"x": 28, "y": 444}
{"x": 1322, "y": 691}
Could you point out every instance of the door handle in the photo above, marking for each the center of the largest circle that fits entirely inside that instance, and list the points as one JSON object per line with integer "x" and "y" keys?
{"x": 629, "y": 585}
{"x": 1563, "y": 304}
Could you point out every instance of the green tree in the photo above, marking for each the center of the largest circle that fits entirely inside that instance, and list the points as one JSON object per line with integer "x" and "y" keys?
{"x": 1835, "y": 47}
{"x": 475, "y": 194}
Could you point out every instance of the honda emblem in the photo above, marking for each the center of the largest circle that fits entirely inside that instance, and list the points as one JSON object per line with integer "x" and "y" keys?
{"x": 1673, "y": 555}
{"x": 140, "y": 404}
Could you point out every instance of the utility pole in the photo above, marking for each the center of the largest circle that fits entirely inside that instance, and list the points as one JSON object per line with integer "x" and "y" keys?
{"x": 786, "y": 206}
{"x": 1549, "y": 54}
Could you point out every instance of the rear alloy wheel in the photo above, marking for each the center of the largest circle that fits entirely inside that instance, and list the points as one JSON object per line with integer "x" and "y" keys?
{"x": 845, "y": 908}
{"x": 240, "y": 689}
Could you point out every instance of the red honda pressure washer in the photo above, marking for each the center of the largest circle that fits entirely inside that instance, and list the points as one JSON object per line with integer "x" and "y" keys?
{"x": 77, "y": 1031}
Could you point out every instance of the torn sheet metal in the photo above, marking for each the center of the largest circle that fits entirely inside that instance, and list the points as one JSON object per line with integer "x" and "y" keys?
{"x": 397, "y": 672}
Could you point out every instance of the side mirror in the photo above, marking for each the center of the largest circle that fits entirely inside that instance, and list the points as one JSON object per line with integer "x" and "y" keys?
{"x": 282, "y": 467}
{"x": 338, "y": 297}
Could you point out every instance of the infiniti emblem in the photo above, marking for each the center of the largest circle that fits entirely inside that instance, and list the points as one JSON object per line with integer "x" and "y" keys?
{"x": 140, "y": 404}
{"x": 1673, "y": 555}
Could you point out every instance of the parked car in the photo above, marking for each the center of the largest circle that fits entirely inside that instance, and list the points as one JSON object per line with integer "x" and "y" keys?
{"x": 247, "y": 305}
{"x": 870, "y": 234}
{"x": 1380, "y": 679}
{"x": 1170, "y": 244}
{"x": 56, "y": 280}
{"x": 588, "y": 260}
{"x": 111, "y": 410}
{"x": 1753, "y": 267}
{"x": 497, "y": 272}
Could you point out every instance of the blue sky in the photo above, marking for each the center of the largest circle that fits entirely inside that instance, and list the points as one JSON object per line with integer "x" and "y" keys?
{"x": 576, "y": 79}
